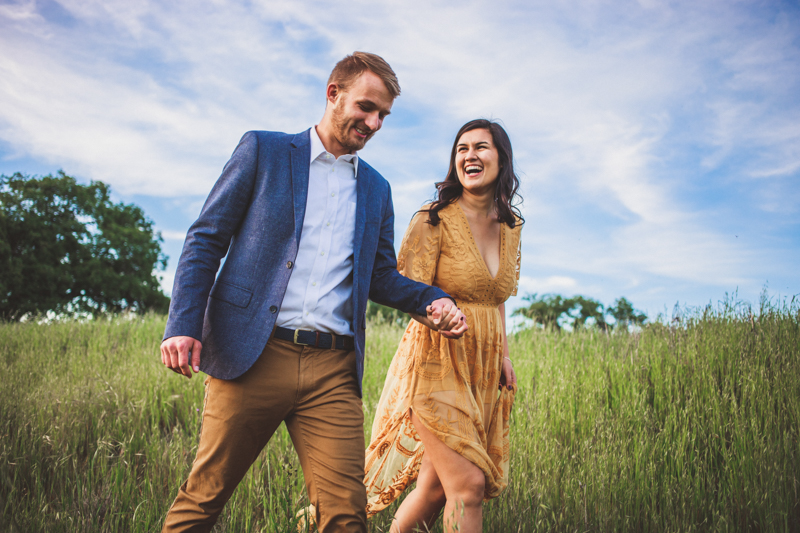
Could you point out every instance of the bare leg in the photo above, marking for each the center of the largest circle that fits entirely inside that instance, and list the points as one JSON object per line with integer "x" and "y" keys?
{"x": 463, "y": 484}
{"x": 422, "y": 505}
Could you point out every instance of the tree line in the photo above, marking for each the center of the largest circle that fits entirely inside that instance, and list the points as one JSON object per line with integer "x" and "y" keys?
{"x": 553, "y": 311}
{"x": 549, "y": 311}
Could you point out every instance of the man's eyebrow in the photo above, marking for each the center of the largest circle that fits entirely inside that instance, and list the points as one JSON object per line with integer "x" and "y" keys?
{"x": 370, "y": 103}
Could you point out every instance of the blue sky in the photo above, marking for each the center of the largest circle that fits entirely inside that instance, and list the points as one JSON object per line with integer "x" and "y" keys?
{"x": 658, "y": 142}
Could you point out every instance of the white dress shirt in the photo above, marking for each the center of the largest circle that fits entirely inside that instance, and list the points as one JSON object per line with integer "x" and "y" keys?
{"x": 320, "y": 292}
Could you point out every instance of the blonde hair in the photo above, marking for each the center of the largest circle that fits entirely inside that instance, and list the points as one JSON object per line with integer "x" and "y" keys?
{"x": 351, "y": 67}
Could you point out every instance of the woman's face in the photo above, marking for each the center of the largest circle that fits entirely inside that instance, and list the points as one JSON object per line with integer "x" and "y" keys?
{"x": 477, "y": 162}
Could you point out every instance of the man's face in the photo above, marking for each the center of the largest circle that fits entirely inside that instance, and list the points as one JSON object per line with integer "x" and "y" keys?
{"x": 359, "y": 112}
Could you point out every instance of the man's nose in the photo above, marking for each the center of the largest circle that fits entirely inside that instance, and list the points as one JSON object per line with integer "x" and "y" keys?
{"x": 373, "y": 121}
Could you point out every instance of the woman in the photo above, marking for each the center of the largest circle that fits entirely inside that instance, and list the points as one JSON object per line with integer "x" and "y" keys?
{"x": 440, "y": 420}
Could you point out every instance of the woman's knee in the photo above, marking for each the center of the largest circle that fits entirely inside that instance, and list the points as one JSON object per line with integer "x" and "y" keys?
{"x": 432, "y": 488}
{"x": 470, "y": 489}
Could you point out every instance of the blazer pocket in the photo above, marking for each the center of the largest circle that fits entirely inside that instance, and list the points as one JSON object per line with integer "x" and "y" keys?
{"x": 231, "y": 293}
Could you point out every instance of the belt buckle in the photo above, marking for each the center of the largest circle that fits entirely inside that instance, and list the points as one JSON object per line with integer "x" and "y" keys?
{"x": 297, "y": 332}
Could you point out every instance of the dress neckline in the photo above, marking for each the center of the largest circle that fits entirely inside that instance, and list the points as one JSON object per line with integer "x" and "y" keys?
{"x": 477, "y": 250}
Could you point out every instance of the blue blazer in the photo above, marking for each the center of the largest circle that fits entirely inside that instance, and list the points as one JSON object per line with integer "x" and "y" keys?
{"x": 254, "y": 215}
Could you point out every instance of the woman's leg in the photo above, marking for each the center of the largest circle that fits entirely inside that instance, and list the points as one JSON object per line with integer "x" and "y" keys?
{"x": 463, "y": 483}
{"x": 423, "y": 504}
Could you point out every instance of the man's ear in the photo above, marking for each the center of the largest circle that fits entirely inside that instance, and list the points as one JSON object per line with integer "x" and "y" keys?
{"x": 333, "y": 92}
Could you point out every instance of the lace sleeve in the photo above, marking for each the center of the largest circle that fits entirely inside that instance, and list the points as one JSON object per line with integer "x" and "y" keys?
{"x": 419, "y": 252}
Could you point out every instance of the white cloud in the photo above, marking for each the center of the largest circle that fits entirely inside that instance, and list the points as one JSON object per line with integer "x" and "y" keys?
{"x": 22, "y": 11}
{"x": 558, "y": 284}
{"x": 615, "y": 111}
{"x": 173, "y": 235}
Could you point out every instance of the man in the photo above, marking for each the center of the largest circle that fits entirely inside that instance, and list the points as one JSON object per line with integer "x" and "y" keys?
{"x": 308, "y": 231}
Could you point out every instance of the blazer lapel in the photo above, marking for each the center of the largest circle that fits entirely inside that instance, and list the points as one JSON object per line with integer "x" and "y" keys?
{"x": 301, "y": 146}
{"x": 362, "y": 198}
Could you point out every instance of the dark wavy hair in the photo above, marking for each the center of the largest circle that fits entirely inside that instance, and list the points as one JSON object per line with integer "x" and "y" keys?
{"x": 506, "y": 196}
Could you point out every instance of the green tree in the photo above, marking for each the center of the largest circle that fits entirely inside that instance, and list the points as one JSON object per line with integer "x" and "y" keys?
{"x": 546, "y": 311}
{"x": 625, "y": 315}
{"x": 67, "y": 248}
{"x": 583, "y": 309}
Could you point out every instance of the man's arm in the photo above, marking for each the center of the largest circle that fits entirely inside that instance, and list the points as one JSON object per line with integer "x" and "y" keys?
{"x": 429, "y": 305}
{"x": 206, "y": 244}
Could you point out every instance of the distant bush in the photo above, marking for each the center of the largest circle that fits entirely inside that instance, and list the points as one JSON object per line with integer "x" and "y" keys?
{"x": 381, "y": 314}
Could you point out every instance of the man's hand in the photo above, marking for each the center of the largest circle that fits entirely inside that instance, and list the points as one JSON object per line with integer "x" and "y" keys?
{"x": 175, "y": 353}
{"x": 446, "y": 318}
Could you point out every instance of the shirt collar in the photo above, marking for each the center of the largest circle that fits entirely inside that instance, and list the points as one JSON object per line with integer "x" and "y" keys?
{"x": 318, "y": 150}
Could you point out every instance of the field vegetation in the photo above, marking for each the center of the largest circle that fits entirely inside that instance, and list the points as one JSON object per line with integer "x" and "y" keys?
{"x": 687, "y": 426}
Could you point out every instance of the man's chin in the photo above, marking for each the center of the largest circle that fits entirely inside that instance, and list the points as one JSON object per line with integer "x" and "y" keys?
{"x": 356, "y": 145}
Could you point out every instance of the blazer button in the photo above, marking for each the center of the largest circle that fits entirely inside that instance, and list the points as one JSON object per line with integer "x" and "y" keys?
{"x": 289, "y": 264}
{"x": 273, "y": 309}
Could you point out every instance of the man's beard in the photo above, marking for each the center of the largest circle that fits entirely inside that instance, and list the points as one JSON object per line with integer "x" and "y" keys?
{"x": 341, "y": 129}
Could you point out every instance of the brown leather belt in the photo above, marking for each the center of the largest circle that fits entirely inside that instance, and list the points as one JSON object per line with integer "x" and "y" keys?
{"x": 316, "y": 339}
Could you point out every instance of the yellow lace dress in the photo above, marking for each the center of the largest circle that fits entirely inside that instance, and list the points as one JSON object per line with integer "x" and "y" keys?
{"x": 450, "y": 384}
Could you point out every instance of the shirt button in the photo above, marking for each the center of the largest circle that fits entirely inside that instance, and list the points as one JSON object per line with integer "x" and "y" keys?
{"x": 289, "y": 264}
{"x": 328, "y": 224}
{"x": 322, "y": 253}
{"x": 273, "y": 309}
{"x": 333, "y": 194}
{"x": 314, "y": 284}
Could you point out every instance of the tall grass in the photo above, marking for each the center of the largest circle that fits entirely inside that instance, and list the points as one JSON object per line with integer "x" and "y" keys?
{"x": 690, "y": 427}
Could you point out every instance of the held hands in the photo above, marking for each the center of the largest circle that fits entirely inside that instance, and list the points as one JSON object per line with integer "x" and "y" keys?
{"x": 446, "y": 318}
{"x": 175, "y": 354}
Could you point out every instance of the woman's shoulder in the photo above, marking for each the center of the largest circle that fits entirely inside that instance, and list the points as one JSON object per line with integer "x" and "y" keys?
{"x": 448, "y": 212}
{"x": 515, "y": 233}
{"x": 423, "y": 214}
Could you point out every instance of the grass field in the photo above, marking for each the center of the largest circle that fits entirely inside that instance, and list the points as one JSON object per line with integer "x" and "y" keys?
{"x": 687, "y": 428}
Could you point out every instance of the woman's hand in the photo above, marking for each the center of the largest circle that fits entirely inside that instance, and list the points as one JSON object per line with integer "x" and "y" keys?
{"x": 508, "y": 378}
{"x": 444, "y": 317}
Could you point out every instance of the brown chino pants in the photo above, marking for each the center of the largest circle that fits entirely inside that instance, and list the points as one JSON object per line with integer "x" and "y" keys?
{"x": 312, "y": 390}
